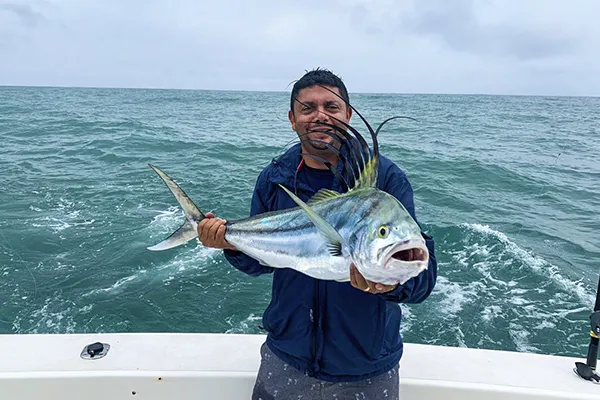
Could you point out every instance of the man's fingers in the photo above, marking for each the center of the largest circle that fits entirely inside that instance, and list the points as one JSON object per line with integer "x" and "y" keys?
{"x": 371, "y": 286}
{"x": 212, "y": 232}
{"x": 353, "y": 276}
{"x": 360, "y": 281}
{"x": 202, "y": 230}
{"x": 221, "y": 234}
{"x": 384, "y": 288}
{"x": 214, "y": 229}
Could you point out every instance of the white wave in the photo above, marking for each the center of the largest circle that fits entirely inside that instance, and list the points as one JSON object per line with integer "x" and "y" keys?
{"x": 490, "y": 292}
{"x": 517, "y": 301}
{"x": 86, "y": 309}
{"x": 520, "y": 337}
{"x": 545, "y": 325}
{"x": 536, "y": 263}
{"x": 518, "y": 291}
{"x": 243, "y": 326}
{"x": 407, "y": 318}
{"x": 165, "y": 222}
{"x": 167, "y": 217}
{"x": 460, "y": 337}
{"x": 65, "y": 215}
{"x": 469, "y": 258}
{"x": 55, "y": 316}
{"x": 491, "y": 312}
{"x": 118, "y": 284}
{"x": 455, "y": 296}
{"x": 57, "y": 225}
{"x": 191, "y": 260}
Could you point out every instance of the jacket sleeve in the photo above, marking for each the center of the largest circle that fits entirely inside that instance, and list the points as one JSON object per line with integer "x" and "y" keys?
{"x": 242, "y": 261}
{"x": 416, "y": 289}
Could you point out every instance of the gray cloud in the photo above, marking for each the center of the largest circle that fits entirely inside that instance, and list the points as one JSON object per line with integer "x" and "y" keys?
{"x": 457, "y": 24}
{"x": 24, "y": 12}
{"x": 458, "y": 46}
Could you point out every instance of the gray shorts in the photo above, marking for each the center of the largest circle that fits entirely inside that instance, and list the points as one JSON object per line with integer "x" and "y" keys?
{"x": 278, "y": 380}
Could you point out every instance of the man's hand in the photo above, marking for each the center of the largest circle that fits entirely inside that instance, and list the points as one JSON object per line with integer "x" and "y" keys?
{"x": 211, "y": 232}
{"x": 359, "y": 282}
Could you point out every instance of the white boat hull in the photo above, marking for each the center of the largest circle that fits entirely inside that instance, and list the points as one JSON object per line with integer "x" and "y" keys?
{"x": 223, "y": 367}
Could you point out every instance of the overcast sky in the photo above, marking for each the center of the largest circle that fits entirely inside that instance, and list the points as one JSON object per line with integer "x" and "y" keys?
{"x": 404, "y": 46}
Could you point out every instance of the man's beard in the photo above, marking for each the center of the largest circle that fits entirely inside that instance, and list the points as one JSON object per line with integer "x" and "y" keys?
{"x": 321, "y": 141}
{"x": 317, "y": 145}
{"x": 321, "y": 146}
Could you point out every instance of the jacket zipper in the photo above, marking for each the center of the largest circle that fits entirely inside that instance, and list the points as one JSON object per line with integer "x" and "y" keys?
{"x": 316, "y": 328}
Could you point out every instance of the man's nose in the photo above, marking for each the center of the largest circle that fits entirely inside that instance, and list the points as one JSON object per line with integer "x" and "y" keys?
{"x": 321, "y": 115}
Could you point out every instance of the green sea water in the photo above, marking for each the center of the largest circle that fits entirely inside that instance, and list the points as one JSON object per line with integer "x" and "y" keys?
{"x": 508, "y": 186}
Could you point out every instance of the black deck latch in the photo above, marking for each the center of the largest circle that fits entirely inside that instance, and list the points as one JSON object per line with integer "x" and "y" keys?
{"x": 95, "y": 348}
{"x": 95, "y": 351}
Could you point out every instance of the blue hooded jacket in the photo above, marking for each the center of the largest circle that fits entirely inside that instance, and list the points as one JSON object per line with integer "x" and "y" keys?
{"x": 331, "y": 330}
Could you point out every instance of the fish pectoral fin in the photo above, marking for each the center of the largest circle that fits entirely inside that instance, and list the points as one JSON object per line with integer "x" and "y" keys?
{"x": 330, "y": 235}
{"x": 335, "y": 249}
{"x": 323, "y": 194}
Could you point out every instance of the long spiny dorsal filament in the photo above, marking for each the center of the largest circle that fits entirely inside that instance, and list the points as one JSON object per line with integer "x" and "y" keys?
{"x": 332, "y": 168}
{"x": 368, "y": 163}
{"x": 374, "y": 168}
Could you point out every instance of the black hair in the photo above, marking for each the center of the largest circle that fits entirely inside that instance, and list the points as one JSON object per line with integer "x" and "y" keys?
{"x": 321, "y": 77}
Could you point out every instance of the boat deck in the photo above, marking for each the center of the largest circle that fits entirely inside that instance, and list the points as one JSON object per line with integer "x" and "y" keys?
{"x": 223, "y": 367}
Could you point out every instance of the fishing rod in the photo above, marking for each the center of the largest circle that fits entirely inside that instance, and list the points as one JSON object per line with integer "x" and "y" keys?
{"x": 586, "y": 371}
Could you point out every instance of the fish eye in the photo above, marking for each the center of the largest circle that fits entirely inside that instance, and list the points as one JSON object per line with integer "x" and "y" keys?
{"x": 383, "y": 231}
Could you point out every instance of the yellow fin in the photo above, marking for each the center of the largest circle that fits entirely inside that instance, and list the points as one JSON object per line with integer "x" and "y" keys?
{"x": 323, "y": 194}
{"x": 368, "y": 176}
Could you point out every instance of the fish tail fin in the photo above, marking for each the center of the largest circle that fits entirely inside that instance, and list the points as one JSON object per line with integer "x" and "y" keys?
{"x": 193, "y": 216}
{"x": 184, "y": 234}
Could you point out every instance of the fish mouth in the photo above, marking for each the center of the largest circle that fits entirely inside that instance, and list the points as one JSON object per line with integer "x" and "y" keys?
{"x": 409, "y": 252}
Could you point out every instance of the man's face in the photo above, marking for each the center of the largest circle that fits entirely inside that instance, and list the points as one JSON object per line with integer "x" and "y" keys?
{"x": 314, "y": 105}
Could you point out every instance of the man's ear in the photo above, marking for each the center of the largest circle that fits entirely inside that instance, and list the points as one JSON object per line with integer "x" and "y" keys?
{"x": 292, "y": 119}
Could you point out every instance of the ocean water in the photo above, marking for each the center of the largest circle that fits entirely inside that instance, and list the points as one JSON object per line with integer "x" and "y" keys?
{"x": 508, "y": 186}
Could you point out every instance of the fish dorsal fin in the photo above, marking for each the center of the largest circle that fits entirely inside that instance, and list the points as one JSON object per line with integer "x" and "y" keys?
{"x": 368, "y": 176}
{"x": 328, "y": 233}
{"x": 323, "y": 194}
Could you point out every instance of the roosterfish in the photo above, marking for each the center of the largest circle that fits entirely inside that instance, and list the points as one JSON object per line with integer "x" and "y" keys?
{"x": 322, "y": 237}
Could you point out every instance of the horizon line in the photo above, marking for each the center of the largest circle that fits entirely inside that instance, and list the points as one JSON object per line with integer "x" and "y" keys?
{"x": 49, "y": 86}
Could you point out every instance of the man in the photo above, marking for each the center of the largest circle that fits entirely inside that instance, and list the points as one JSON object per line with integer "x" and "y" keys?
{"x": 325, "y": 339}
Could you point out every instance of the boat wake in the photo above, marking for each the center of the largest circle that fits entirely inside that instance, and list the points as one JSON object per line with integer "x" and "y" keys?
{"x": 491, "y": 293}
